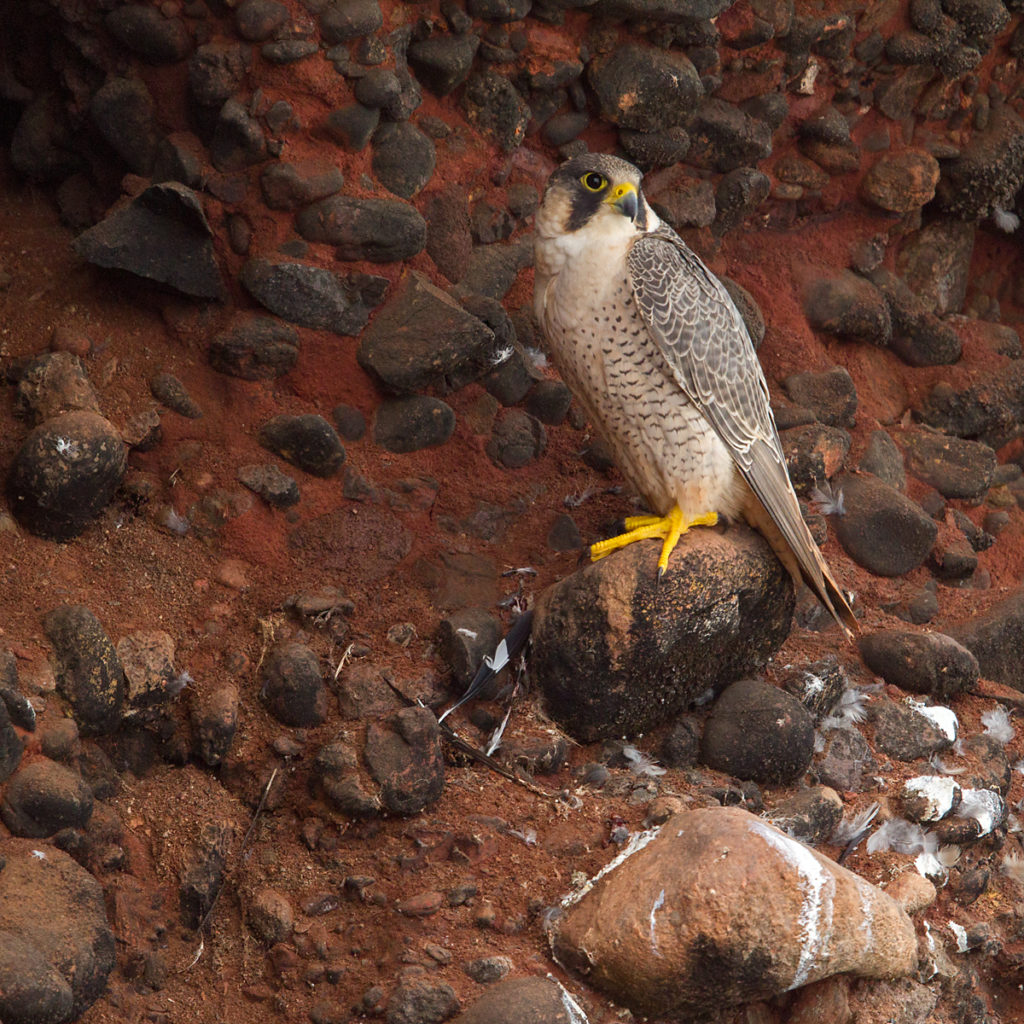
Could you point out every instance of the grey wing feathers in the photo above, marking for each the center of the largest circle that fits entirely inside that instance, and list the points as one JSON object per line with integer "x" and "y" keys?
{"x": 704, "y": 340}
{"x": 701, "y": 334}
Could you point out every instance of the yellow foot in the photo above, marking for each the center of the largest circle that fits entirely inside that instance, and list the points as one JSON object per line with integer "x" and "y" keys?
{"x": 669, "y": 528}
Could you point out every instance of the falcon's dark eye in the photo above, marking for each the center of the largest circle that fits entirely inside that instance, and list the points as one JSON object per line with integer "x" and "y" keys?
{"x": 594, "y": 182}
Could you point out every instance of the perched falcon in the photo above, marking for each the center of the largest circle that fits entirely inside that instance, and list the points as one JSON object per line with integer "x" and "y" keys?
{"x": 654, "y": 349}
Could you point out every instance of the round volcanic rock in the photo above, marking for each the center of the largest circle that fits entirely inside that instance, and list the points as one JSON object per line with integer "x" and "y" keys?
{"x": 63, "y": 956}
{"x": 293, "y": 685}
{"x": 645, "y": 88}
{"x": 618, "y": 652}
{"x": 403, "y": 158}
{"x": 881, "y": 529}
{"x": 849, "y": 307}
{"x": 307, "y": 441}
{"x": 757, "y": 731}
{"x": 44, "y": 797}
{"x": 65, "y": 474}
{"x": 409, "y": 424}
{"x": 931, "y": 663}
{"x": 443, "y": 62}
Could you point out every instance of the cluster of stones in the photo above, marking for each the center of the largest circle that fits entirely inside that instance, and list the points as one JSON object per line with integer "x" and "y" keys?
{"x": 657, "y": 77}
{"x": 672, "y": 103}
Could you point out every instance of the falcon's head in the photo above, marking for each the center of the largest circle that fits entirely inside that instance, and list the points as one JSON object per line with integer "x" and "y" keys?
{"x": 595, "y": 191}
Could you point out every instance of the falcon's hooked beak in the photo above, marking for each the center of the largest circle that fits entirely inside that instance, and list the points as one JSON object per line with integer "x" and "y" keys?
{"x": 624, "y": 199}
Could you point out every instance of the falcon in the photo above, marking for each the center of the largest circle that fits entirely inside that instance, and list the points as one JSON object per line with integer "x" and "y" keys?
{"x": 656, "y": 352}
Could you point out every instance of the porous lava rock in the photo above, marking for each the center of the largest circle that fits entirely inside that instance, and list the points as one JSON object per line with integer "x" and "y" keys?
{"x": 313, "y": 296}
{"x": 71, "y": 940}
{"x": 162, "y": 235}
{"x": 89, "y": 673}
{"x": 616, "y": 651}
{"x": 716, "y": 908}
{"x": 645, "y": 88}
{"x": 293, "y": 685}
{"x": 935, "y": 262}
{"x": 881, "y": 529}
{"x": 931, "y": 663}
{"x": 831, "y": 396}
{"x": 757, "y": 731}
{"x": 902, "y": 182}
{"x": 65, "y": 473}
{"x": 413, "y": 422}
{"x": 422, "y": 339}
{"x": 306, "y": 440}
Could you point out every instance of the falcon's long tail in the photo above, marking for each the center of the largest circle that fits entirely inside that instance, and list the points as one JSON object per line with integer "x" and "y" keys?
{"x": 804, "y": 562}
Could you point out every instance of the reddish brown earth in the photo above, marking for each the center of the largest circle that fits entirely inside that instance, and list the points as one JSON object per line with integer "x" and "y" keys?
{"x": 219, "y": 594}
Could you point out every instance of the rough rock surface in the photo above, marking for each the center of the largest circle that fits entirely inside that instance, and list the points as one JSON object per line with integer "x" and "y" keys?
{"x": 994, "y": 638}
{"x": 164, "y": 236}
{"x": 89, "y": 674}
{"x": 694, "y": 934}
{"x": 71, "y": 945}
{"x": 757, "y": 731}
{"x": 616, "y": 652}
{"x": 920, "y": 662}
{"x": 422, "y": 339}
{"x": 65, "y": 474}
{"x": 881, "y": 529}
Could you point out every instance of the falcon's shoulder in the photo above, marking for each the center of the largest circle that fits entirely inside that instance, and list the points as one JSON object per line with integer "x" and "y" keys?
{"x": 699, "y": 331}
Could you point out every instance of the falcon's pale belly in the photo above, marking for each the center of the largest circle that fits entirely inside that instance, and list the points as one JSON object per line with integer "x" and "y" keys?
{"x": 660, "y": 441}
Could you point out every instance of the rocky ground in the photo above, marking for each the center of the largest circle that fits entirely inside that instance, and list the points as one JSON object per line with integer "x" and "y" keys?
{"x": 284, "y": 459}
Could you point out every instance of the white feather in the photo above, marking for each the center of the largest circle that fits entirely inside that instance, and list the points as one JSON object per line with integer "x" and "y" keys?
{"x": 1005, "y": 220}
{"x": 997, "y": 724}
{"x": 900, "y": 836}
{"x": 984, "y": 806}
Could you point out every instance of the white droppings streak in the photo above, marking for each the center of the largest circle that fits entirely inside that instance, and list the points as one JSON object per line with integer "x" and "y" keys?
{"x": 938, "y": 793}
{"x": 658, "y": 904}
{"x": 944, "y": 719}
{"x": 818, "y": 890}
{"x": 867, "y": 907}
{"x": 636, "y": 842}
{"x": 573, "y": 1010}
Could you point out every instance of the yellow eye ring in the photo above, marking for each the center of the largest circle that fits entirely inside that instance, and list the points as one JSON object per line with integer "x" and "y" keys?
{"x": 594, "y": 182}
